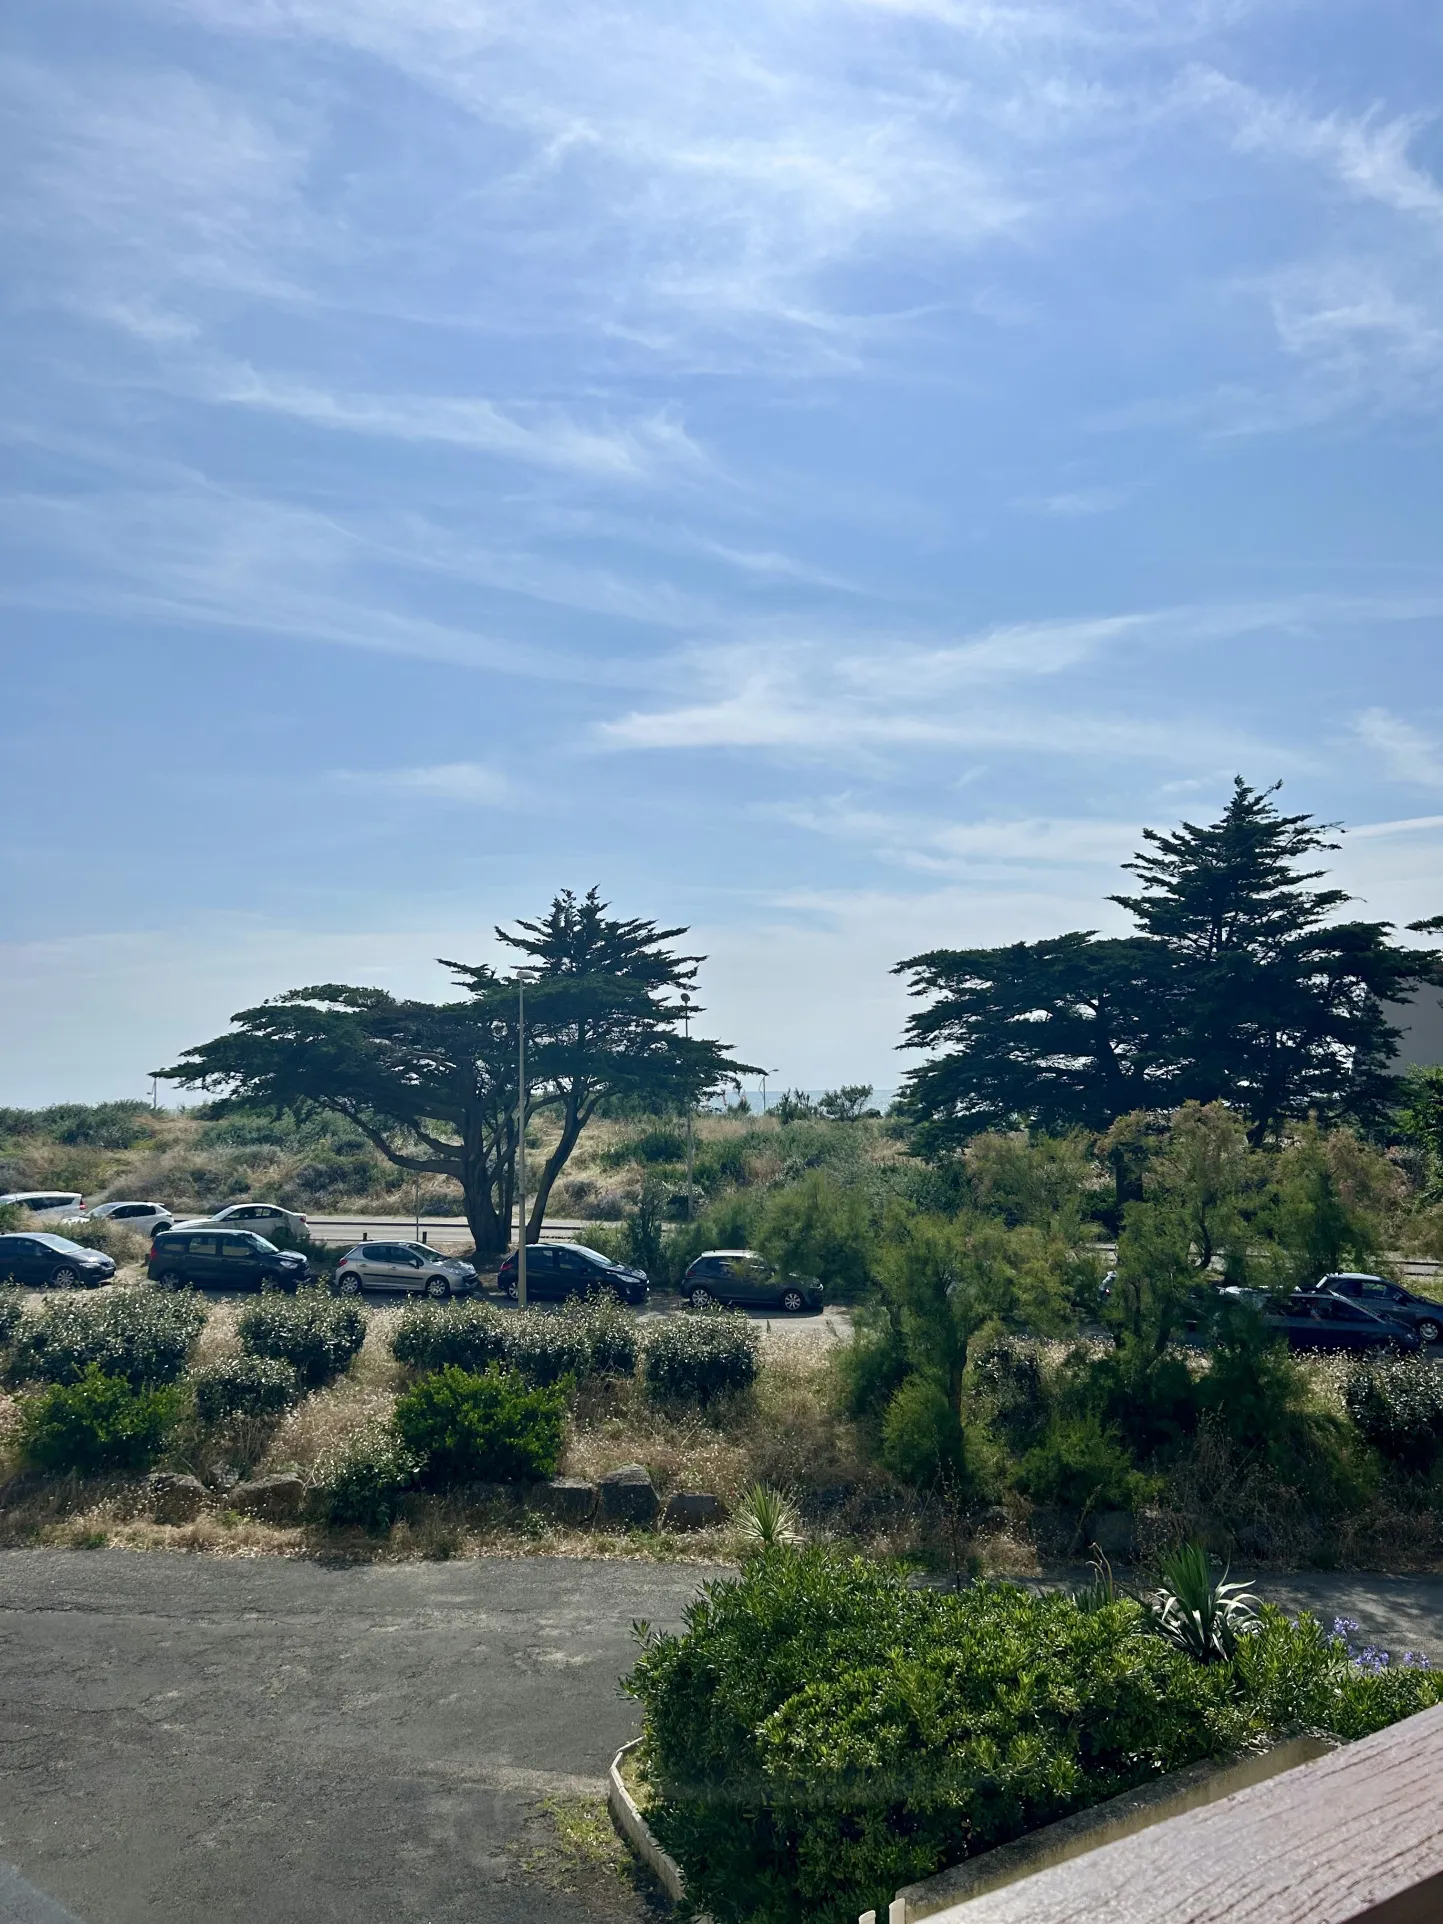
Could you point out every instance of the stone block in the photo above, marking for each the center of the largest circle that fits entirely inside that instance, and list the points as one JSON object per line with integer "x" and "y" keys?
{"x": 175, "y": 1499}
{"x": 627, "y": 1496}
{"x": 279, "y": 1499}
{"x": 693, "y": 1510}
{"x": 567, "y": 1499}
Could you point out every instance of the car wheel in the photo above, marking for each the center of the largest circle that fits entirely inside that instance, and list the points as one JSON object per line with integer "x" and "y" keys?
{"x": 171, "y": 1279}
{"x": 793, "y": 1302}
{"x": 512, "y": 1289}
{"x": 701, "y": 1299}
{"x": 63, "y": 1277}
{"x": 1428, "y": 1330}
{"x": 350, "y": 1283}
{"x": 437, "y": 1288}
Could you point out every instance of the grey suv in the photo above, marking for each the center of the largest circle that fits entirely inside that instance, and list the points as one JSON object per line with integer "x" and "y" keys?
{"x": 408, "y": 1266}
{"x": 1376, "y": 1293}
{"x": 223, "y": 1259}
{"x": 743, "y": 1277}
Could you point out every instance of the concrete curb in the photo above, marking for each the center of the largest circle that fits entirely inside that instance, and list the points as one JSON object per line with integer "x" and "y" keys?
{"x": 637, "y": 1832}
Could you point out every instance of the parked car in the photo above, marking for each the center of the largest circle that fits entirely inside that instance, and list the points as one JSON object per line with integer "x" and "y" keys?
{"x": 410, "y": 1266}
{"x": 47, "y": 1205}
{"x": 43, "y": 1261}
{"x": 1387, "y": 1299}
{"x": 742, "y": 1277}
{"x": 1315, "y": 1320}
{"x": 215, "y": 1258}
{"x": 145, "y": 1218}
{"x": 555, "y": 1271}
{"x": 261, "y": 1219}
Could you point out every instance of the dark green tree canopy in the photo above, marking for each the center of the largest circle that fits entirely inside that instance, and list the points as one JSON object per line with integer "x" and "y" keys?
{"x": 1239, "y": 987}
{"x": 434, "y": 1086}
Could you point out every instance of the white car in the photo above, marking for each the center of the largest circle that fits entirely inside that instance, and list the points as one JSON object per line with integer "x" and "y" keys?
{"x": 47, "y": 1205}
{"x": 145, "y": 1218}
{"x": 408, "y": 1266}
{"x": 261, "y": 1219}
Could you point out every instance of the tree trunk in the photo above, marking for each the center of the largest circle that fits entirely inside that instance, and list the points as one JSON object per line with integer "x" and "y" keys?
{"x": 555, "y": 1163}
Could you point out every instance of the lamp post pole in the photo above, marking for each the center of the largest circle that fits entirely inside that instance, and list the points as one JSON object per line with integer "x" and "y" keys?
{"x": 690, "y": 1105}
{"x": 521, "y": 1142}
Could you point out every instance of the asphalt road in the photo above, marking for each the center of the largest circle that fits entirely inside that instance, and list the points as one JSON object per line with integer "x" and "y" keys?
{"x": 188, "y": 1738}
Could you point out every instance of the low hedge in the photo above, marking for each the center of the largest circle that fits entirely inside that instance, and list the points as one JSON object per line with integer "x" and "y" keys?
{"x": 697, "y": 1357}
{"x": 820, "y": 1734}
{"x": 1397, "y": 1405}
{"x": 100, "y": 1423}
{"x": 435, "y": 1336}
{"x": 244, "y": 1386}
{"x": 480, "y": 1429}
{"x": 12, "y": 1308}
{"x": 143, "y": 1335}
{"x": 364, "y": 1482}
{"x": 316, "y": 1333}
{"x": 591, "y": 1337}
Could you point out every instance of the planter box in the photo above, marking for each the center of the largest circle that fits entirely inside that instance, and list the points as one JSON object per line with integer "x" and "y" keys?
{"x": 627, "y": 1817}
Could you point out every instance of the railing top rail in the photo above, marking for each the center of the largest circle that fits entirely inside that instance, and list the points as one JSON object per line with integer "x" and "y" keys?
{"x": 1355, "y": 1836}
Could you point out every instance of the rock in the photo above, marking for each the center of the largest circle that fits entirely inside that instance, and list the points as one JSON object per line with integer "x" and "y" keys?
{"x": 693, "y": 1510}
{"x": 627, "y": 1496}
{"x": 175, "y": 1499}
{"x": 566, "y": 1498}
{"x": 222, "y": 1476}
{"x": 278, "y": 1498}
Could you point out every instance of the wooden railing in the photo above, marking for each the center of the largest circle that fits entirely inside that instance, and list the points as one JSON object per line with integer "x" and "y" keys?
{"x": 1356, "y": 1836}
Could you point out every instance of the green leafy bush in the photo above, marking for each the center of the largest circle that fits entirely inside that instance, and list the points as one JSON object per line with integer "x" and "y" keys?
{"x": 542, "y": 1348}
{"x": 698, "y": 1357}
{"x": 363, "y": 1483}
{"x": 662, "y": 1144}
{"x": 96, "y": 1424}
{"x": 820, "y": 1734}
{"x": 1080, "y": 1466}
{"x": 481, "y": 1429}
{"x": 244, "y": 1386}
{"x": 609, "y": 1332}
{"x": 1398, "y": 1408}
{"x": 12, "y": 1308}
{"x": 465, "y": 1335}
{"x": 316, "y": 1333}
{"x": 144, "y": 1335}
{"x": 922, "y": 1437}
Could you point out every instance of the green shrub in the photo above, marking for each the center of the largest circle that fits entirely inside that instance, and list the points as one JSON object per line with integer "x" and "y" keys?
{"x": 12, "y": 1308}
{"x": 542, "y": 1348}
{"x": 96, "y": 1424}
{"x": 609, "y": 1333}
{"x": 465, "y": 1335}
{"x": 481, "y": 1429}
{"x": 144, "y": 1335}
{"x": 363, "y": 1483}
{"x": 317, "y": 1333}
{"x": 820, "y": 1734}
{"x": 1008, "y": 1390}
{"x": 819, "y": 1227}
{"x": 700, "y": 1356}
{"x": 662, "y": 1144}
{"x": 1397, "y": 1405}
{"x": 244, "y": 1386}
{"x": 922, "y": 1437}
{"x": 1080, "y": 1466}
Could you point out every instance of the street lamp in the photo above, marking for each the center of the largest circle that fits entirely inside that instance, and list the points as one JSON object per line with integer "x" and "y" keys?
{"x": 521, "y": 975}
{"x": 690, "y": 1105}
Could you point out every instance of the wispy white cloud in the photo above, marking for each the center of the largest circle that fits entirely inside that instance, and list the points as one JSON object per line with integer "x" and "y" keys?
{"x": 468, "y": 783}
{"x": 1408, "y": 754}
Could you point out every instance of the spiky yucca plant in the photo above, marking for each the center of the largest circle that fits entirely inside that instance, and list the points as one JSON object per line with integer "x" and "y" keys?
{"x": 766, "y": 1518}
{"x": 1202, "y": 1614}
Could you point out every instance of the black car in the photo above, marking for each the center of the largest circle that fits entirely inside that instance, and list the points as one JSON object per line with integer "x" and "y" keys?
{"x": 555, "y": 1271}
{"x": 223, "y": 1259}
{"x": 41, "y": 1261}
{"x": 1313, "y": 1320}
{"x": 1387, "y": 1299}
{"x": 743, "y": 1277}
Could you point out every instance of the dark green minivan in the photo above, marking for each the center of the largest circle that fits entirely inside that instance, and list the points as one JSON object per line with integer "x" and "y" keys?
{"x": 223, "y": 1259}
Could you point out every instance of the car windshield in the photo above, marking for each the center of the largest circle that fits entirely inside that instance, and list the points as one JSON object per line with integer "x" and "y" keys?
{"x": 266, "y": 1249}
{"x": 64, "y": 1244}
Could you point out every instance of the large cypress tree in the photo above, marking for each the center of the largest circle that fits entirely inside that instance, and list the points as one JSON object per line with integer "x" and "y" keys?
{"x": 1242, "y": 985}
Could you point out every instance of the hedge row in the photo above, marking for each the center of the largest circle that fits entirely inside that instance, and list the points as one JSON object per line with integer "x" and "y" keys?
{"x": 144, "y": 1336}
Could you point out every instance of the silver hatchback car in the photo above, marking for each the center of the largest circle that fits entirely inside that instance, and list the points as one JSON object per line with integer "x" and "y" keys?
{"x": 405, "y": 1266}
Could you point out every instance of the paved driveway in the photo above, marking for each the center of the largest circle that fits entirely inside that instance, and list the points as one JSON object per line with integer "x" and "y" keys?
{"x": 188, "y": 1739}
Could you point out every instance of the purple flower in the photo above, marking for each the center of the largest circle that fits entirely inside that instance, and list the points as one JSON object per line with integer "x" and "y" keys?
{"x": 1344, "y": 1626}
{"x": 1415, "y": 1660}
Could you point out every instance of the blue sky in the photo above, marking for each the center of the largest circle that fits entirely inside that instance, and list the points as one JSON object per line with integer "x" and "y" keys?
{"x": 826, "y": 473}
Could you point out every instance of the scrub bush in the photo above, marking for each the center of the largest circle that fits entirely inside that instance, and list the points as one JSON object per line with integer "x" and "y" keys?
{"x": 316, "y": 1333}
{"x": 434, "y": 1336}
{"x": 545, "y": 1349}
{"x": 12, "y": 1308}
{"x": 820, "y": 1734}
{"x": 244, "y": 1386}
{"x": 609, "y": 1332}
{"x": 144, "y": 1335}
{"x": 1397, "y": 1405}
{"x": 1080, "y": 1466}
{"x": 698, "y": 1357}
{"x": 481, "y": 1429}
{"x": 96, "y": 1424}
{"x": 111, "y": 1238}
{"x": 364, "y": 1482}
